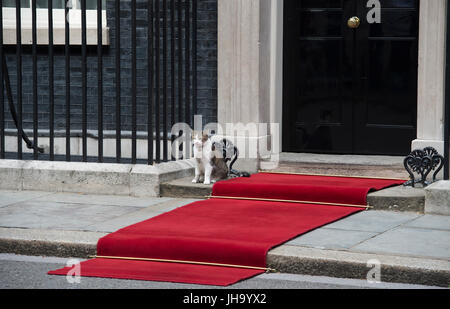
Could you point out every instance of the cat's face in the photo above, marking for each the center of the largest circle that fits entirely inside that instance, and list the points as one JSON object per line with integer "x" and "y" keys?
{"x": 199, "y": 138}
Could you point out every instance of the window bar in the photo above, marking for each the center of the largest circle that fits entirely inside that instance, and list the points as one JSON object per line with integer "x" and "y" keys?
{"x": 51, "y": 79}
{"x": 84, "y": 78}
{"x": 100, "y": 80}
{"x": 2, "y": 97}
{"x": 34, "y": 69}
{"x": 187, "y": 71}
{"x": 165, "y": 153}
{"x": 157, "y": 80}
{"x": 133, "y": 83}
{"x": 194, "y": 57}
{"x": 150, "y": 63}
{"x": 67, "y": 77}
{"x": 172, "y": 70}
{"x": 19, "y": 78}
{"x": 118, "y": 84}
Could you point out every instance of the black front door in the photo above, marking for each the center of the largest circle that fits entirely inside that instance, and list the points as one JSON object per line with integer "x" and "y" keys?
{"x": 349, "y": 90}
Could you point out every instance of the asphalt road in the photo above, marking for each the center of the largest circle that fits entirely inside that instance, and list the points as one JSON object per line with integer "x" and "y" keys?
{"x": 25, "y": 272}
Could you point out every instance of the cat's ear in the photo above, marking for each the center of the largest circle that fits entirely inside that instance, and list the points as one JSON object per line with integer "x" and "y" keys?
{"x": 194, "y": 134}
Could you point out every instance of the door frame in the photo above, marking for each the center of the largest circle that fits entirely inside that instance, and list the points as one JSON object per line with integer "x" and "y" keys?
{"x": 265, "y": 36}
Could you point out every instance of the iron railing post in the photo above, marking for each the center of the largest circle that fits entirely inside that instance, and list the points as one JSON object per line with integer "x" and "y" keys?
{"x": 51, "y": 77}
{"x": 100, "y": 80}
{"x": 2, "y": 89}
{"x": 447, "y": 103}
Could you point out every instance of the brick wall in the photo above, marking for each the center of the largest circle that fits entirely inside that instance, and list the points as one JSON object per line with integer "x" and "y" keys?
{"x": 207, "y": 74}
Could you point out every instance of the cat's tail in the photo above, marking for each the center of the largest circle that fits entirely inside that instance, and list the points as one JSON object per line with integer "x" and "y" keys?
{"x": 234, "y": 172}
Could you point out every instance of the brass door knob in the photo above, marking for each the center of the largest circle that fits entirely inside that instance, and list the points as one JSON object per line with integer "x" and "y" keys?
{"x": 354, "y": 22}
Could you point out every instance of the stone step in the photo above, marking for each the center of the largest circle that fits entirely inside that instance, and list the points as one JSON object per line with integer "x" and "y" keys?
{"x": 398, "y": 198}
{"x": 438, "y": 198}
{"x": 346, "y": 165}
{"x": 387, "y": 171}
{"x": 184, "y": 188}
{"x": 392, "y": 199}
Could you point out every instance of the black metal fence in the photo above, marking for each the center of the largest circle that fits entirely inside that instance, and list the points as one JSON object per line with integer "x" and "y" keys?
{"x": 447, "y": 105}
{"x": 171, "y": 27}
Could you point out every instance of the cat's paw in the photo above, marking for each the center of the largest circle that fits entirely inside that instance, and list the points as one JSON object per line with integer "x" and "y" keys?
{"x": 195, "y": 180}
{"x": 207, "y": 182}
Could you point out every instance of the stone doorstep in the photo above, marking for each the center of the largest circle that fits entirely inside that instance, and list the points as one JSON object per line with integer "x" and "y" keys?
{"x": 398, "y": 198}
{"x": 388, "y": 171}
{"x": 184, "y": 188}
{"x": 285, "y": 259}
{"x": 394, "y": 199}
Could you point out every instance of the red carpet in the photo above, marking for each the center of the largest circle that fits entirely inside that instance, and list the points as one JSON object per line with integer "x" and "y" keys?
{"x": 237, "y": 232}
{"x": 344, "y": 190}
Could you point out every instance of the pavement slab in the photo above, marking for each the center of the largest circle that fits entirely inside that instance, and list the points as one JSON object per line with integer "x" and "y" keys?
{"x": 12, "y": 197}
{"x": 140, "y": 215}
{"x": 62, "y": 216}
{"x": 80, "y": 198}
{"x": 431, "y": 222}
{"x": 374, "y": 221}
{"x": 327, "y": 238}
{"x": 406, "y": 241}
{"x": 45, "y": 235}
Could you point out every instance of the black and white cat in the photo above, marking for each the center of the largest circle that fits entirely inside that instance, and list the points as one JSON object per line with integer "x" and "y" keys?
{"x": 211, "y": 157}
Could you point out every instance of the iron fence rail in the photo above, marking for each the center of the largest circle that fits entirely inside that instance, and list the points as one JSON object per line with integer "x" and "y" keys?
{"x": 447, "y": 104}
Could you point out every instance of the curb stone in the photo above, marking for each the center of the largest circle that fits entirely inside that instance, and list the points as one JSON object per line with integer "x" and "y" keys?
{"x": 419, "y": 271}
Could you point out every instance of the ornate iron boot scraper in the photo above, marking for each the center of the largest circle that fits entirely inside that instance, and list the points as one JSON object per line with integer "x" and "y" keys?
{"x": 423, "y": 162}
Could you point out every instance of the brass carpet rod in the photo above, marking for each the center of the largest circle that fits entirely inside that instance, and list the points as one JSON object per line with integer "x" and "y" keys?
{"x": 289, "y": 201}
{"x": 183, "y": 262}
{"x": 341, "y": 176}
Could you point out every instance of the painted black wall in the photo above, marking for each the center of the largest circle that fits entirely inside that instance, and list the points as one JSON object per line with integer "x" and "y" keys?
{"x": 206, "y": 61}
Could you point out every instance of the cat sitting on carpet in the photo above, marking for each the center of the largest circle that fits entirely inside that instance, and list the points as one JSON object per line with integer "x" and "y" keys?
{"x": 210, "y": 159}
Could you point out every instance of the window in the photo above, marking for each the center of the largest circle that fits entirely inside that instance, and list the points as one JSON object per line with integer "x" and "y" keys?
{"x": 57, "y": 4}
{"x": 9, "y": 22}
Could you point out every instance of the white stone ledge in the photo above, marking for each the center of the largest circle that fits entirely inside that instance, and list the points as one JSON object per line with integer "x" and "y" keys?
{"x": 91, "y": 178}
{"x": 59, "y": 36}
{"x": 11, "y": 174}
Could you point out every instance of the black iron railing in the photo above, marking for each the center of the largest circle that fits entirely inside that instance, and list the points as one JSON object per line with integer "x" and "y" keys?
{"x": 171, "y": 73}
{"x": 447, "y": 104}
